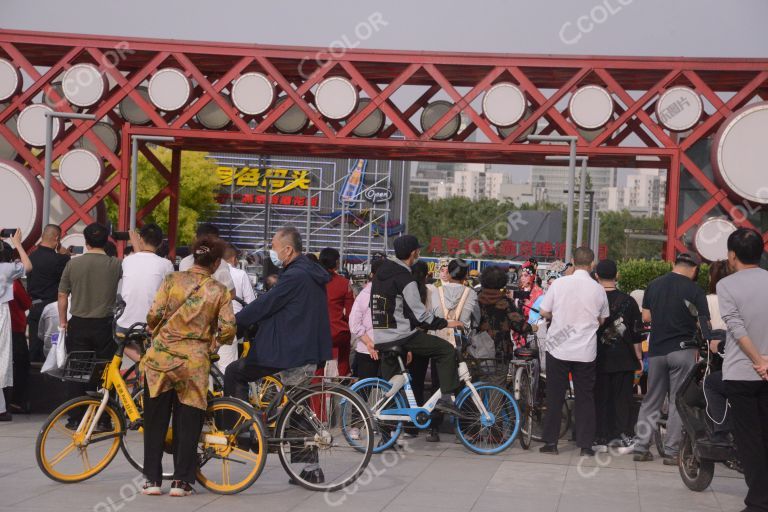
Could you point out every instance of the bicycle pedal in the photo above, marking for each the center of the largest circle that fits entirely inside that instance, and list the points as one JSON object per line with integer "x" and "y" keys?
{"x": 136, "y": 425}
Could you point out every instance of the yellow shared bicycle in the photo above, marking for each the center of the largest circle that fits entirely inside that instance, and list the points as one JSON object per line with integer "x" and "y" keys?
{"x": 81, "y": 437}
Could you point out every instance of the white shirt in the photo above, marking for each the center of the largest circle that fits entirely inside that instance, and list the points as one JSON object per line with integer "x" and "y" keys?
{"x": 576, "y": 303}
{"x": 243, "y": 287}
{"x": 222, "y": 274}
{"x": 143, "y": 272}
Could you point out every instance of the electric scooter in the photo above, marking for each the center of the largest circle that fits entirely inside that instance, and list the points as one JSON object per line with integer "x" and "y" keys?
{"x": 698, "y": 452}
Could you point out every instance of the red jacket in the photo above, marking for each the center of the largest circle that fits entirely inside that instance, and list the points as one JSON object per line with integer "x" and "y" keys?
{"x": 19, "y": 306}
{"x": 340, "y": 300}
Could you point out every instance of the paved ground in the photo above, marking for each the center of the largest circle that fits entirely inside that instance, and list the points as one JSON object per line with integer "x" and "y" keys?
{"x": 441, "y": 476}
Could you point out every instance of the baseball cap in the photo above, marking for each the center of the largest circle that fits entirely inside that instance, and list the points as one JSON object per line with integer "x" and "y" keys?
{"x": 405, "y": 245}
{"x": 606, "y": 269}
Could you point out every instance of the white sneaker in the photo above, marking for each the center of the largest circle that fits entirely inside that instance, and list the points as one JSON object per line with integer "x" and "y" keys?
{"x": 599, "y": 448}
{"x": 626, "y": 446}
{"x": 354, "y": 434}
{"x": 180, "y": 489}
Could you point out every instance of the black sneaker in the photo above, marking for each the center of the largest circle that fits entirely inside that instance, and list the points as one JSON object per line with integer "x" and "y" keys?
{"x": 645, "y": 456}
{"x": 670, "y": 460}
{"x": 6, "y": 416}
{"x": 179, "y": 489}
{"x": 587, "y": 452}
{"x": 313, "y": 476}
{"x": 549, "y": 448}
{"x": 151, "y": 489}
{"x": 433, "y": 436}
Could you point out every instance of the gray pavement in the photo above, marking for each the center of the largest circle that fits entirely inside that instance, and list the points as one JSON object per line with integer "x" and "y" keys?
{"x": 443, "y": 476}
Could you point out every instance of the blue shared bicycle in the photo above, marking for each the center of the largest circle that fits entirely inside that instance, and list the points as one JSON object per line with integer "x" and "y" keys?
{"x": 488, "y": 424}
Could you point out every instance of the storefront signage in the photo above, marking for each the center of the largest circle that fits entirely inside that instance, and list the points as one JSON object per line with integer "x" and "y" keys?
{"x": 500, "y": 248}
{"x": 377, "y": 195}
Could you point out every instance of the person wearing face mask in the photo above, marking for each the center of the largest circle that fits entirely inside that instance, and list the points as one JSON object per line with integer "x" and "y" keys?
{"x": 294, "y": 330}
{"x": 401, "y": 320}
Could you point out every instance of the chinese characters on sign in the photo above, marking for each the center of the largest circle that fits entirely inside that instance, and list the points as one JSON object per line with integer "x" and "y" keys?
{"x": 262, "y": 199}
{"x": 501, "y": 248}
{"x": 295, "y": 179}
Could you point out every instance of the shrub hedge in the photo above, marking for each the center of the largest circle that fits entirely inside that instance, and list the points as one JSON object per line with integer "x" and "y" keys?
{"x": 636, "y": 274}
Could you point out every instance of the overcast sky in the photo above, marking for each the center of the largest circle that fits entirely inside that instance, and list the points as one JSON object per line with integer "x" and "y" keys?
{"x": 706, "y": 28}
{"x": 695, "y": 28}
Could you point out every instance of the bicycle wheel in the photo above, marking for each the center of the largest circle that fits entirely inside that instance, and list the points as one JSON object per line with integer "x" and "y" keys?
{"x": 487, "y": 435}
{"x": 232, "y": 448}
{"x": 264, "y": 390}
{"x": 133, "y": 441}
{"x": 372, "y": 391}
{"x": 313, "y": 447}
{"x": 61, "y": 450}
{"x": 524, "y": 397}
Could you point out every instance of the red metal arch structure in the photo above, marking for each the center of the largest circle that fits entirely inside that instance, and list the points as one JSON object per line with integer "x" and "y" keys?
{"x": 633, "y": 138}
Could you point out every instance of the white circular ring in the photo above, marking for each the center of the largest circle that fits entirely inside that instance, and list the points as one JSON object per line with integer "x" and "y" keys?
{"x": 590, "y": 107}
{"x": 336, "y": 97}
{"x": 10, "y": 79}
{"x": 169, "y": 89}
{"x": 31, "y": 124}
{"x": 84, "y": 85}
{"x": 679, "y": 108}
{"x": 80, "y": 170}
{"x": 253, "y": 93}
{"x": 711, "y": 238}
{"x": 504, "y": 104}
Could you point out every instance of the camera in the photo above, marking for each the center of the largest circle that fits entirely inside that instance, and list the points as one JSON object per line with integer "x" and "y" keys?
{"x": 7, "y": 233}
{"x": 121, "y": 235}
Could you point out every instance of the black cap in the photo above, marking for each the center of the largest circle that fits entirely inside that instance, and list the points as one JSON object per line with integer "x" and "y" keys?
{"x": 606, "y": 269}
{"x": 405, "y": 245}
{"x": 687, "y": 258}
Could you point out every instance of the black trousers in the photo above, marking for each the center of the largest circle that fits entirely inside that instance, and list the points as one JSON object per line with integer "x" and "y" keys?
{"x": 36, "y": 353}
{"x": 20, "y": 369}
{"x": 443, "y": 356}
{"x": 89, "y": 334}
{"x": 240, "y": 374}
{"x": 613, "y": 404}
{"x": 418, "y": 371}
{"x": 749, "y": 415}
{"x": 365, "y": 366}
{"x": 584, "y": 375}
{"x": 187, "y": 423}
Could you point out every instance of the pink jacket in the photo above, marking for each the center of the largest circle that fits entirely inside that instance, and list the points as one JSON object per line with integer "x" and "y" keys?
{"x": 360, "y": 321}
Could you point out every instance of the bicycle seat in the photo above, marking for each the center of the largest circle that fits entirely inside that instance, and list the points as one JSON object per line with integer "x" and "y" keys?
{"x": 526, "y": 353}
{"x": 396, "y": 350}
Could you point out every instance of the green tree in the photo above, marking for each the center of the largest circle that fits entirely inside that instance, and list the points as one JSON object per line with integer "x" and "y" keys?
{"x": 620, "y": 246}
{"x": 196, "y": 195}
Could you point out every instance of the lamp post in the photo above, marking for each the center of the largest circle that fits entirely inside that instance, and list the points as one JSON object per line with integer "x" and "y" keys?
{"x": 49, "y": 116}
{"x": 571, "y": 140}
{"x": 135, "y": 139}
{"x": 582, "y": 191}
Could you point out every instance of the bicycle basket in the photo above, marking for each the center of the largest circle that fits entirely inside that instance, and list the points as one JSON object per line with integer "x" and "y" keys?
{"x": 84, "y": 368}
{"x": 491, "y": 370}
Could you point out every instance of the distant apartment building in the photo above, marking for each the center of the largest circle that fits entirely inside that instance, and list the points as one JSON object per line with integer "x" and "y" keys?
{"x": 551, "y": 184}
{"x": 643, "y": 195}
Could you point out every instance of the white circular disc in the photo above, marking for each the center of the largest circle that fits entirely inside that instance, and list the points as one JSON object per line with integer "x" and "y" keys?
{"x": 507, "y": 130}
{"x": 336, "y": 97}
{"x": 293, "y": 120}
{"x": 433, "y": 112}
{"x": 212, "y": 117}
{"x": 591, "y": 107}
{"x": 130, "y": 111}
{"x": 84, "y": 85}
{"x": 74, "y": 240}
{"x": 740, "y": 152}
{"x": 253, "y": 94}
{"x": 372, "y": 124}
{"x": 711, "y": 238}
{"x": 20, "y": 200}
{"x": 7, "y": 151}
{"x": 60, "y": 210}
{"x": 10, "y": 79}
{"x": 103, "y": 131}
{"x": 31, "y": 124}
{"x": 80, "y": 170}
{"x": 504, "y": 104}
{"x": 169, "y": 89}
{"x": 679, "y": 108}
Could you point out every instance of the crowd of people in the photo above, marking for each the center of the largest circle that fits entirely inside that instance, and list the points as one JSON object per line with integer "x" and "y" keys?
{"x": 310, "y": 320}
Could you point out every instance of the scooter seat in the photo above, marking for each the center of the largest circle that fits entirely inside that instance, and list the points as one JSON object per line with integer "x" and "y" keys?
{"x": 526, "y": 353}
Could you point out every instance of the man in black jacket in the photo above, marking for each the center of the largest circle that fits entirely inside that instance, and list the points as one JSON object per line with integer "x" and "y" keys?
{"x": 400, "y": 319}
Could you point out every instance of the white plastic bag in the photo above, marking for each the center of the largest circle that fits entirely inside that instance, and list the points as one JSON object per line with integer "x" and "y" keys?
{"x": 57, "y": 356}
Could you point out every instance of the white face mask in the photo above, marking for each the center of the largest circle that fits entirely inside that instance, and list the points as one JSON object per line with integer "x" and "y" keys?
{"x": 275, "y": 258}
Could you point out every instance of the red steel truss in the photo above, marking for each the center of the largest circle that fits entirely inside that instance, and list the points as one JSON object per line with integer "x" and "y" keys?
{"x": 632, "y": 139}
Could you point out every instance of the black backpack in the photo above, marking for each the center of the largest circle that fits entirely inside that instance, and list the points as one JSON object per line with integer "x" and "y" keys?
{"x": 614, "y": 328}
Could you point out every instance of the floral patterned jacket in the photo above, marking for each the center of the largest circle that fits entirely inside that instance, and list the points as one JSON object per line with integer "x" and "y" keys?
{"x": 190, "y": 316}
